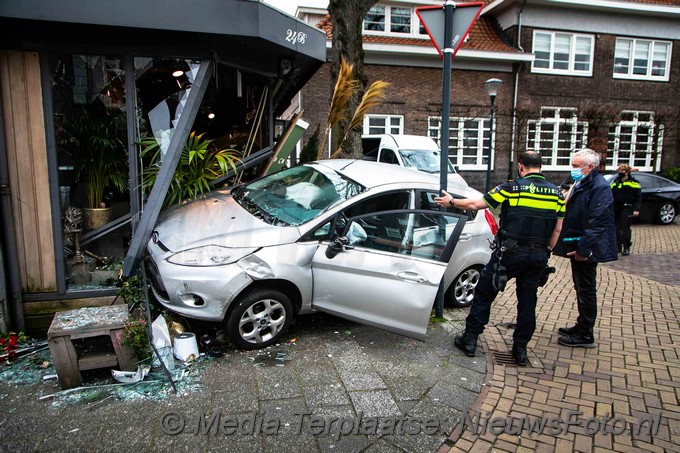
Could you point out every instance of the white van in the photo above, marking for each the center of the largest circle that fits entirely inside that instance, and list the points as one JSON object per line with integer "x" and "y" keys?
{"x": 410, "y": 151}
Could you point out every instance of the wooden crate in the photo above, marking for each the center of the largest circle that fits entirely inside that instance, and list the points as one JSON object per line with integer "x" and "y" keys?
{"x": 85, "y": 323}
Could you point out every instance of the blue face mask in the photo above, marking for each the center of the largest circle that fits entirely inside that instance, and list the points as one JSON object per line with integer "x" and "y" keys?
{"x": 576, "y": 174}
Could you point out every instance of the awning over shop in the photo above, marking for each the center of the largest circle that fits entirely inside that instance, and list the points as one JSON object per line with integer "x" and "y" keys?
{"x": 246, "y": 34}
{"x": 246, "y": 18}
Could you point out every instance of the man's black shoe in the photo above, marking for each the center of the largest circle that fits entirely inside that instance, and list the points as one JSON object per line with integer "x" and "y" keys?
{"x": 568, "y": 330}
{"x": 577, "y": 341}
{"x": 626, "y": 251}
{"x": 467, "y": 343}
{"x": 519, "y": 353}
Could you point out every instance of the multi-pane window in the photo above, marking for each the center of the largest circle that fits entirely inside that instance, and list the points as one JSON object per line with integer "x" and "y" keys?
{"x": 400, "y": 20}
{"x": 556, "y": 135}
{"x": 468, "y": 141}
{"x": 562, "y": 53}
{"x": 642, "y": 59}
{"x": 383, "y": 124}
{"x": 631, "y": 141}
{"x": 375, "y": 19}
{"x": 392, "y": 20}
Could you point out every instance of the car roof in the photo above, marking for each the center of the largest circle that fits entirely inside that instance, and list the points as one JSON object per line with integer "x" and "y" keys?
{"x": 635, "y": 174}
{"x": 372, "y": 174}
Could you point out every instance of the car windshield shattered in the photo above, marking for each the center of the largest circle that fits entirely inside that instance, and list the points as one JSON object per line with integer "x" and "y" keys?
{"x": 296, "y": 195}
{"x": 423, "y": 160}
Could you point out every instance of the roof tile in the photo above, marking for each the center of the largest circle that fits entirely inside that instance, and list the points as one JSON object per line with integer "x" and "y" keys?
{"x": 482, "y": 37}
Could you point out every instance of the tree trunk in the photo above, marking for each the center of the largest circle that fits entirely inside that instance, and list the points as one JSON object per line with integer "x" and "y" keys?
{"x": 347, "y": 17}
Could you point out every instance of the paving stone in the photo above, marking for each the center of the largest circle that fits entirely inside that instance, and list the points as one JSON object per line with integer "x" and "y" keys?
{"x": 634, "y": 372}
{"x": 629, "y": 375}
{"x": 376, "y": 403}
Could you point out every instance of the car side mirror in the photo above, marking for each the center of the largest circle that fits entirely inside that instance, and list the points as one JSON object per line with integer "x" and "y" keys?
{"x": 337, "y": 245}
{"x": 340, "y": 223}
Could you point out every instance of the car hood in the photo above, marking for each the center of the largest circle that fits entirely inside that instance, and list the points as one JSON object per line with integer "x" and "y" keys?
{"x": 218, "y": 220}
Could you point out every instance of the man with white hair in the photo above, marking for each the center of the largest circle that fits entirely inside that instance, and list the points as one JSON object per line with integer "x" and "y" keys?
{"x": 588, "y": 237}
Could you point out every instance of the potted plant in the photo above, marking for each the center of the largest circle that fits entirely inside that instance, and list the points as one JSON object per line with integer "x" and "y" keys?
{"x": 100, "y": 159}
{"x": 201, "y": 162}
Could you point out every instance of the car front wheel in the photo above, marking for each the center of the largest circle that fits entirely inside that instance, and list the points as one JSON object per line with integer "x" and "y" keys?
{"x": 462, "y": 290}
{"x": 259, "y": 319}
{"x": 666, "y": 213}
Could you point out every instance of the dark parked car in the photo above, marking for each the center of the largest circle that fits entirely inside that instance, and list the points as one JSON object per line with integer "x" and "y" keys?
{"x": 660, "y": 197}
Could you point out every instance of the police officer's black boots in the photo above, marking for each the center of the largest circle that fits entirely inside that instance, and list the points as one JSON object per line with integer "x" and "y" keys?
{"x": 626, "y": 250}
{"x": 519, "y": 353}
{"x": 467, "y": 343}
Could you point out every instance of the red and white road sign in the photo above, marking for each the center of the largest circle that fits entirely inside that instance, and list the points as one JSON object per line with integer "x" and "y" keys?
{"x": 433, "y": 19}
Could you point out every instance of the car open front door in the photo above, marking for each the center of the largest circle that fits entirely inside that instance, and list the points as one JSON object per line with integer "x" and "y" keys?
{"x": 386, "y": 268}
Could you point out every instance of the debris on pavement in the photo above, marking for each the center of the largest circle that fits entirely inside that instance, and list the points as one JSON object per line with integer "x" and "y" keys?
{"x": 131, "y": 377}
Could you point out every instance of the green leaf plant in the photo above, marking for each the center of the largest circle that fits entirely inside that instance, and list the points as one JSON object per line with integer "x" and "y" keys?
{"x": 99, "y": 154}
{"x": 200, "y": 163}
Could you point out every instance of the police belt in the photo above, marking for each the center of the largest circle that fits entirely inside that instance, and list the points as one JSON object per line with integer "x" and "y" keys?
{"x": 512, "y": 244}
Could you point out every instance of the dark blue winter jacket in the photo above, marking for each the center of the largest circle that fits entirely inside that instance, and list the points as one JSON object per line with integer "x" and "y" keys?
{"x": 588, "y": 225}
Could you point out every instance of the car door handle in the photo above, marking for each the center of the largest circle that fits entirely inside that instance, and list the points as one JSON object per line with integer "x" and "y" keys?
{"x": 465, "y": 237}
{"x": 411, "y": 277}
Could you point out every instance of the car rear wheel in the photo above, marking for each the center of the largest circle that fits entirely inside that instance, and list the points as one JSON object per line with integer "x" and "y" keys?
{"x": 462, "y": 290}
{"x": 259, "y": 319}
{"x": 666, "y": 213}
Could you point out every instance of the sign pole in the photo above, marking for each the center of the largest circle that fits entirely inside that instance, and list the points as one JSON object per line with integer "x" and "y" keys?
{"x": 447, "y": 52}
{"x": 447, "y": 32}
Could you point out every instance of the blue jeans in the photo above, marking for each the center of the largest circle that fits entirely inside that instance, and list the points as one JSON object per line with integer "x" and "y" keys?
{"x": 526, "y": 266}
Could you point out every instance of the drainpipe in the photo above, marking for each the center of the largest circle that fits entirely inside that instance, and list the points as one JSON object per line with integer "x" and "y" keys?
{"x": 516, "y": 89}
{"x": 15, "y": 306}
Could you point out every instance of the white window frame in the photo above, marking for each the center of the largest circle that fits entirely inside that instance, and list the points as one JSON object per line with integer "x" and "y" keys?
{"x": 415, "y": 25}
{"x": 573, "y": 39}
{"x": 635, "y": 45}
{"x": 637, "y": 146}
{"x": 459, "y": 138}
{"x": 561, "y": 120}
{"x": 388, "y": 127}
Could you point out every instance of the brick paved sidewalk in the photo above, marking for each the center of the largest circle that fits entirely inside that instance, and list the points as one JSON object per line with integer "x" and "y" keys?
{"x": 633, "y": 374}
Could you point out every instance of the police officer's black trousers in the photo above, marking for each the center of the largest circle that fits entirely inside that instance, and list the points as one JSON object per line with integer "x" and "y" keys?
{"x": 526, "y": 266}
{"x": 584, "y": 274}
{"x": 623, "y": 215}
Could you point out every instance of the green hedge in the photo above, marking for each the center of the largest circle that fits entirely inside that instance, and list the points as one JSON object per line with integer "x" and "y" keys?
{"x": 672, "y": 173}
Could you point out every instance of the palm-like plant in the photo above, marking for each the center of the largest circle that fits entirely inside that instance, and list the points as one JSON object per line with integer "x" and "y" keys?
{"x": 200, "y": 163}
{"x": 98, "y": 153}
{"x": 371, "y": 98}
{"x": 345, "y": 87}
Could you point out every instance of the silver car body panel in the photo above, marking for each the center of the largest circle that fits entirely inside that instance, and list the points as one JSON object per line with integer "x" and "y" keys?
{"x": 219, "y": 220}
{"x": 196, "y": 292}
{"x": 385, "y": 290}
{"x": 368, "y": 283}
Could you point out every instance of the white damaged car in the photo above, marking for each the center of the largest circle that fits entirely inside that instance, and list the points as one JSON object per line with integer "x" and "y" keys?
{"x": 360, "y": 240}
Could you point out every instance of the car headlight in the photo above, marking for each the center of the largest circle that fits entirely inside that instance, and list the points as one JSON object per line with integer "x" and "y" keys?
{"x": 210, "y": 255}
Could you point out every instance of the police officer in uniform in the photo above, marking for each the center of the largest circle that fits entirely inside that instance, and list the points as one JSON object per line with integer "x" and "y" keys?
{"x": 530, "y": 221}
{"x": 627, "y": 198}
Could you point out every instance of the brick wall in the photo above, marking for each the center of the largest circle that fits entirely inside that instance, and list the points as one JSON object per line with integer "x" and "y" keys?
{"x": 602, "y": 91}
{"x": 416, "y": 93}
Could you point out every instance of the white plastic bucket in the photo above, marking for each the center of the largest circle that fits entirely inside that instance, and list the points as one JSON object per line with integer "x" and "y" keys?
{"x": 185, "y": 346}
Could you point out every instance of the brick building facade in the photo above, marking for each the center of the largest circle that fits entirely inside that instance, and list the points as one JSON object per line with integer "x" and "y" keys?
{"x": 628, "y": 117}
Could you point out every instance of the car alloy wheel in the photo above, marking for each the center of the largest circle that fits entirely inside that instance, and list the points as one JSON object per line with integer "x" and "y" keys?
{"x": 259, "y": 319}
{"x": 462, "y": 290}
{"x": 666, "y": 213}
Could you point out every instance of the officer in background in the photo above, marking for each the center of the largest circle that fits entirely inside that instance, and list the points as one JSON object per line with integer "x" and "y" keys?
{"x": 627, "y": 198}
{"x": 530, "y": 221}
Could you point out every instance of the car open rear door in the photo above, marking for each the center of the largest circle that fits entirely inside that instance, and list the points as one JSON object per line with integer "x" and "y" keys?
{"x": 387, "y": 271}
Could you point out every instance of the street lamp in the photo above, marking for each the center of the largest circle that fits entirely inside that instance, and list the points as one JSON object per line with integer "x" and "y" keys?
{"x": 492, "y": 86}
